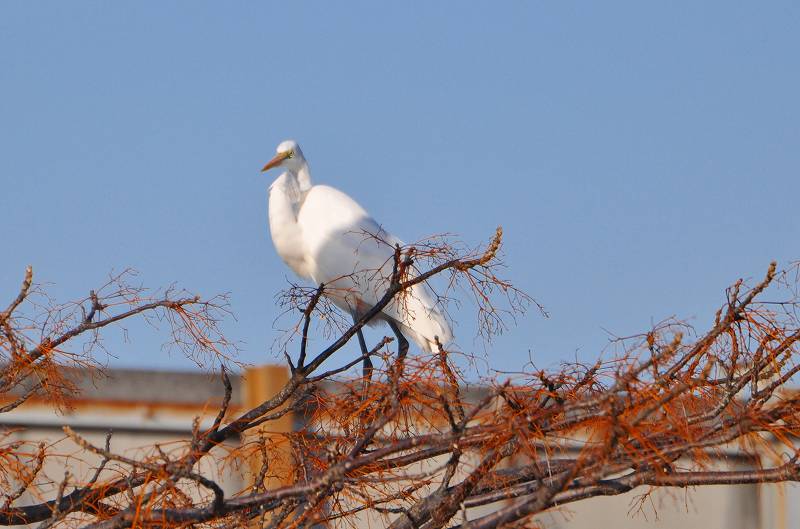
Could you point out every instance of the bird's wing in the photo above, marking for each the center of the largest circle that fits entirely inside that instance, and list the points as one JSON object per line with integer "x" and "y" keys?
{"x": 350, "y": 252}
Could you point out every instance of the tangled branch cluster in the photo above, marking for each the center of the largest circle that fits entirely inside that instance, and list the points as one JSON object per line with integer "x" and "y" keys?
{"x": 418, "y": 447}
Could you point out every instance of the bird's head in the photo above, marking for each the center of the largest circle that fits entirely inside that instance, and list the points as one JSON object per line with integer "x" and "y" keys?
{"x": 288, "y": 155}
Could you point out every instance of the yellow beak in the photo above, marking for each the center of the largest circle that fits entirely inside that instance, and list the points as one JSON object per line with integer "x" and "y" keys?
{"x": 281, "y": 156}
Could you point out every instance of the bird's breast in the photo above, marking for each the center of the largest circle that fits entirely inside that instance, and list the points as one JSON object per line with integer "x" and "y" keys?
{"x": 287, "y": 236}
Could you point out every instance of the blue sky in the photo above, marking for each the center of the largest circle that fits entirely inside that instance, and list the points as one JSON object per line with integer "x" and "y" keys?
{"x": 641, "y": 156}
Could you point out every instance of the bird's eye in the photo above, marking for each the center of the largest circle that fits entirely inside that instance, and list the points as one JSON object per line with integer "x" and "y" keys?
{"x": 290, "y": 155}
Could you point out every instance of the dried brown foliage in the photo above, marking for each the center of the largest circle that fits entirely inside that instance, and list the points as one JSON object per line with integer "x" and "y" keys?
{"x": 417, "y": 447}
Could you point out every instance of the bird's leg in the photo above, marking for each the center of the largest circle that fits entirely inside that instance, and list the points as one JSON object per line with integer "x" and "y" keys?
{"x": 365, "y": 352}
{"x": 367, "y": 380}
{"x": 402, "y": 343}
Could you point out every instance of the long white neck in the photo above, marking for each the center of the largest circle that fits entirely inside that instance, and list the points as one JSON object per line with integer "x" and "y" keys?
{"x": 286, "y": 195}
{"x": 303, "y": 176}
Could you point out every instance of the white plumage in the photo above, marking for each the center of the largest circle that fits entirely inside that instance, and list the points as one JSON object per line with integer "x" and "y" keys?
{"x": 327, "y": 237}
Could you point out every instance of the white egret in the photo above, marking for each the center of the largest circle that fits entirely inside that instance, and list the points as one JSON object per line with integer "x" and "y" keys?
{"x": 327, "y": 237}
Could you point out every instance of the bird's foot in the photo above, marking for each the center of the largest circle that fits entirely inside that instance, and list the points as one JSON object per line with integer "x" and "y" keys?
{"x": 366, "y": 380}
